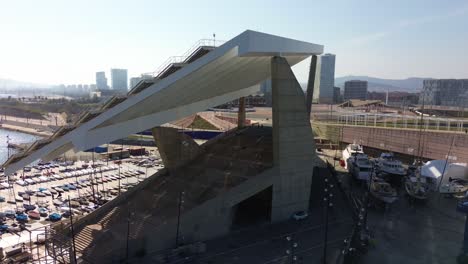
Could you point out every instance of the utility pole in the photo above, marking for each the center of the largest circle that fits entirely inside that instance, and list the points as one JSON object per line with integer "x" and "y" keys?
{"x": 328, "y": 195}
{"x": 72, "y": 230}
{"x": 128, "y": 236}
{"x": 181, "y": 202}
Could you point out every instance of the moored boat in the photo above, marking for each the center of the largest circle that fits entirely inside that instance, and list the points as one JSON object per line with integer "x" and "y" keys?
{"x": 360, "y": 166}
{"x": 382, "y": 190}
{"x": 350, "y": 150}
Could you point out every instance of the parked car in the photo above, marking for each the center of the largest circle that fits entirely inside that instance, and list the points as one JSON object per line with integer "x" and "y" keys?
{"x": 300, "y": 215}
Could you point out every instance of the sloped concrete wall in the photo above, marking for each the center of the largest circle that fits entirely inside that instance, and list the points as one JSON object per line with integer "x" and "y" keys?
{"x": 175, "y": 148}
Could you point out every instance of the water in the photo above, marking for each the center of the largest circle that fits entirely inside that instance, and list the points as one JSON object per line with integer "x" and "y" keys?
{"x": 16, "y": 138}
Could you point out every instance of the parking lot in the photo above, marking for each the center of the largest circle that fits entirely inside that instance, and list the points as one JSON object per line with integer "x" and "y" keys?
{"x": 33, "y": 199}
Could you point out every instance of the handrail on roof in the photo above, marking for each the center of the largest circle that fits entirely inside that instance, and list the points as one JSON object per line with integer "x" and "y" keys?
{"x": 180, "y": 59}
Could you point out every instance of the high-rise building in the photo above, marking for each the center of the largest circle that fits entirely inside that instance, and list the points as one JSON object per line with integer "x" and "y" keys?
{"x": 324, "y": 79}
{"x": 355, "y": 89}
{"x": 336, "y": 95}
{"x": 101, "y": 81}
{"x": 119, "y": 80}
{"x": 446, "y": 92}
{"x": 135, "y": 80}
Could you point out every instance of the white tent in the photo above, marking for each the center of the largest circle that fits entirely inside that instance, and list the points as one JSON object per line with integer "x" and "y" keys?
{"x": 435, "y": 168}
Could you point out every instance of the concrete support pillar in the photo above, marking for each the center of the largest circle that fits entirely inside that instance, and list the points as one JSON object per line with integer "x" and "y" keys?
{"x": 294, "y": 155}
{"x": 311, "y": 84}
{"x": 241, "y": 113}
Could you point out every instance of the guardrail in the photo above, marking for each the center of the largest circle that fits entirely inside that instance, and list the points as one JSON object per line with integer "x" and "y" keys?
{"x": 394, "y": 121}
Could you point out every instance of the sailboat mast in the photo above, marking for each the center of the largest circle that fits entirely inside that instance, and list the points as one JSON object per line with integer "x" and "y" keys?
{"x": 420, "y": 152}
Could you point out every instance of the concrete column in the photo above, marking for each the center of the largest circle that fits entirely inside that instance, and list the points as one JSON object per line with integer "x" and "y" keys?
{"x": 311, "y": 83}
{"x": 241, "y": 113}
{"x": 294, "y": 154}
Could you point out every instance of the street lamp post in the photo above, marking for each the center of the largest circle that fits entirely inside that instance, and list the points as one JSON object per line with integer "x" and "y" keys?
{"x": 181, "y": 202}
{"x": 291, "y": 249}
{"x": 328, "y": 195}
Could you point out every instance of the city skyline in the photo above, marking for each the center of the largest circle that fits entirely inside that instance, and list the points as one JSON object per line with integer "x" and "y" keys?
{"x": 393, "y": 40}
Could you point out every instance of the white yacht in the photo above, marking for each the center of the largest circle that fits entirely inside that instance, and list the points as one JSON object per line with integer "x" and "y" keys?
{"x": 350, "y": 150}
{"x": 387, "y": 163}
{"x": 359, "y": 166}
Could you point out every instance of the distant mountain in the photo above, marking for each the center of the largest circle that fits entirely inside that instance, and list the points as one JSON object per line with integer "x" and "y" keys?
{"x": 412, "y": 85}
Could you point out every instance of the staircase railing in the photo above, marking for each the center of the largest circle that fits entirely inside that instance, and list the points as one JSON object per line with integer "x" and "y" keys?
{"x": 180, "y": 59}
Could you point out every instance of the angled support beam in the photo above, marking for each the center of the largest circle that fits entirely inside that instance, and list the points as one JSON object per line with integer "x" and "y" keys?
{"x": 311, "y": 83}
{"x": 110, "y": 133}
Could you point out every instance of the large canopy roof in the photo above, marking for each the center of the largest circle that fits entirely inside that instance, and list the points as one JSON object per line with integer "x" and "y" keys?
{"x": 219, "y": 75}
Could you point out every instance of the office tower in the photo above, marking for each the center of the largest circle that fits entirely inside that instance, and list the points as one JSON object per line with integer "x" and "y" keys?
{"x": 324, "y": 79}
{"x": 355, "y": 89}
{"x": 101, "y": 81}
{"x": 119, "y": 80}
{"x": 446, "y": 92}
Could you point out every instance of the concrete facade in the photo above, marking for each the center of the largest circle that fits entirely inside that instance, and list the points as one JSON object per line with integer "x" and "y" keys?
{"x": 293, "y": 144}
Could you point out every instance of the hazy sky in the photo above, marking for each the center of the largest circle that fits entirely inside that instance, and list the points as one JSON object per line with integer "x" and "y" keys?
{"x": 68, "y": 41}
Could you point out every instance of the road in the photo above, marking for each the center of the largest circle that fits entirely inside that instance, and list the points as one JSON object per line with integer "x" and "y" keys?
{"x": 267, "y": 243}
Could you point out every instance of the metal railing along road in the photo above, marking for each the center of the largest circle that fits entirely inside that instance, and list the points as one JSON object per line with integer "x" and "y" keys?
{"x": 394, "y": 121}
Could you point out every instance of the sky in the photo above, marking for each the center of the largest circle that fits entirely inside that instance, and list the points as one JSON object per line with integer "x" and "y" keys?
{"x": 56, "y": 41}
